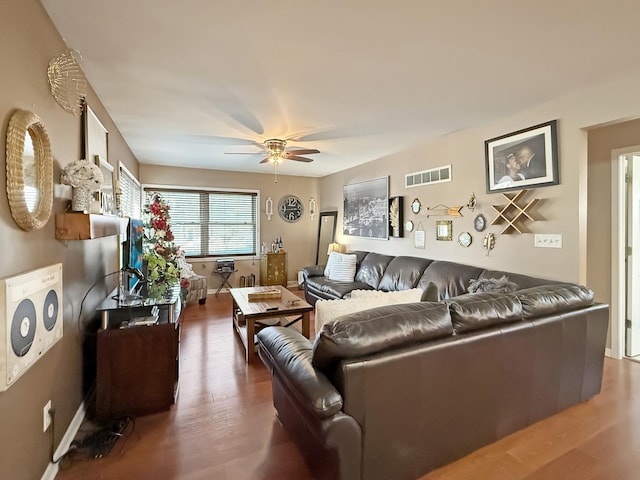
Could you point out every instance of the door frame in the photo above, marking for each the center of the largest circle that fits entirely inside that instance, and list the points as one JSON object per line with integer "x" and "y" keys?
{"x": 618, "y": 251}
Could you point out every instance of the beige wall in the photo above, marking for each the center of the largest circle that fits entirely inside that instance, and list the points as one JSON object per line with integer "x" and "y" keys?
{"x": 28, "y": 40}
{"x": 562, "y": 209}
{"x": 299, "y": 238}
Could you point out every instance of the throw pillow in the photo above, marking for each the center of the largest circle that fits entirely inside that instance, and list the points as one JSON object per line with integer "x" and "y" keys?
{"x": 397, "y": 296}
{"x": 329, "y": 310}
{"x": 341, "y": 267}
{"x": 492, "y": 285}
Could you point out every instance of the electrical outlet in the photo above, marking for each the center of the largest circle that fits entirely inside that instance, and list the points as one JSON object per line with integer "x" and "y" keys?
{"x": 547, "y": 240}
{"x": 46, "y": 417}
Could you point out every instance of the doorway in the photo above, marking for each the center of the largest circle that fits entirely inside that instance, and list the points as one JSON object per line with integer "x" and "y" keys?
{"x": 625, "y": 294}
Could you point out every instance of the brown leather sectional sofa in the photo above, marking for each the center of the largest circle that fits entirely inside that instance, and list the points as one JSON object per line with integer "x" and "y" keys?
{"x": 396, "y": 391}
{"x": 388, "y": 273}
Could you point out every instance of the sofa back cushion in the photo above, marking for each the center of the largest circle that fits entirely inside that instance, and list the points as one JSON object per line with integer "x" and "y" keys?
{"x": 475, "y": 311}
{"x": 553, "y": 299}
{"x": 379, "y": 329}
{"x": 403, "y": 273}
{"x": 372, "y": 268}
{"x": 451, "y": 279}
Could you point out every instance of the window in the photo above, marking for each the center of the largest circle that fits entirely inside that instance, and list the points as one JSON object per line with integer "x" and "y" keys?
{"x": 129, "y": 194}
{"x": 212, "y": 223}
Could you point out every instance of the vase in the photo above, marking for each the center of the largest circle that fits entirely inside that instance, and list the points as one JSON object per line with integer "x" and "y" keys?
{"x": 81, "y": 200}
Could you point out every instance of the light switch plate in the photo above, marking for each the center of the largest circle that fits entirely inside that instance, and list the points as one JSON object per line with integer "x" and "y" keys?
{"x": 548, "y": 240}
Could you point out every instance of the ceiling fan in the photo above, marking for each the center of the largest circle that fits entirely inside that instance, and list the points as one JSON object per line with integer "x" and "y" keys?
{"x": 277, "y": 151}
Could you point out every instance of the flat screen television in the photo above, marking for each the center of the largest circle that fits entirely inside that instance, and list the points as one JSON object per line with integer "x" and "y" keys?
{"x": 132, "y": 250}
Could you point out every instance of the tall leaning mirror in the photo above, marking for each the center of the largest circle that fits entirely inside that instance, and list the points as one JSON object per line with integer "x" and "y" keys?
{"x": 29, "y": 170}
{"x": 326, "y": 235}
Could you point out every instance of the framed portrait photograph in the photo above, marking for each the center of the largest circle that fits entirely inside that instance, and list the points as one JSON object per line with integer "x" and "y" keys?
{"x": 366, "y": 209}
{"x": 524, "y": 159}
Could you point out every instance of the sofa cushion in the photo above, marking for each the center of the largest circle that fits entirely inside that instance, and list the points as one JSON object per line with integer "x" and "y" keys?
{"x": 403, "y": 273}
{"x": 372, "y": 269}
{"x": 331, "y": 288}
{"x": 379, "y": 329}
{"x": 329, "y": 310}
{"x": 474, "y": 311}
{"x": 341, "y": 267}
{"x": 430, "y": 293}
{"x": 553, "y": 299}
{"x": 451, "y": 278}
{"x": 496, "y": 285}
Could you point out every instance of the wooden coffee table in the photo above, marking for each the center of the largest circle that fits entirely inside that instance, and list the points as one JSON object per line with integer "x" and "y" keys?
{"x": 245, "y": 314}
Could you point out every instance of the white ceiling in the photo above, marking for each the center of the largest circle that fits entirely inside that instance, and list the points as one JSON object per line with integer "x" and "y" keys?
{"x": 187, "y": 81}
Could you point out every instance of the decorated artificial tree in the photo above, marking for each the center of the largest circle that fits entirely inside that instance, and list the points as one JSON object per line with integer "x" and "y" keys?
{"x": 160, "y": 252}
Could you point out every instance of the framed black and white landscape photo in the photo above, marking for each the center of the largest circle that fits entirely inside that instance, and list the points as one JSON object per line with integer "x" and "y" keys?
{"x": 366, "y": 209}
{"x": 524, "y": 159}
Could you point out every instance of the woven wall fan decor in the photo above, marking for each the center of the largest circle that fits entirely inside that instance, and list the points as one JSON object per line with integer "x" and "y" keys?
{"x": 67, "y": 82}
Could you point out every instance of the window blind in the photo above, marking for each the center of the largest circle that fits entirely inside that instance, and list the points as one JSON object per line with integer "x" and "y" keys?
{"x": 130, "y": 196}
{"x": 212, "y": 223}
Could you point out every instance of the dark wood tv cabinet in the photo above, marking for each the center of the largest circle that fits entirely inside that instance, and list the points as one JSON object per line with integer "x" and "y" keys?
{"x": 137, "y": 366}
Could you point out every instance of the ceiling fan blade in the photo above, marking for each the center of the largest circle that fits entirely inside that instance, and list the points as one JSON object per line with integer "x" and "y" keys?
{"x": 264, "y": 160}
{"x": 298, "y": 159}
{"x": 302, "y": 151}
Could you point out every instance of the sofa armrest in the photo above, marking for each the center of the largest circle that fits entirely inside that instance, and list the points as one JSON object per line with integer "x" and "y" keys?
{"x": 313, "y": 271}
{"x": 287, "y": 352}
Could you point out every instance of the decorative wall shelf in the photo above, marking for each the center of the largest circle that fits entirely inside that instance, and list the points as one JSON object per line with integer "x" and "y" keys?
{"x": 85, "y": 226}
{"x": 514, "y": 212}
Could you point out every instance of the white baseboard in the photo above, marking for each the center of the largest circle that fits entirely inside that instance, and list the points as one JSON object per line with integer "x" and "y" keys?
{"x": 52, "y": 470}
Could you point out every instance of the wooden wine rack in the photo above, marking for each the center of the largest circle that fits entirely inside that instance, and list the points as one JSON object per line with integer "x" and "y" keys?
{"x": 514, "y": 212}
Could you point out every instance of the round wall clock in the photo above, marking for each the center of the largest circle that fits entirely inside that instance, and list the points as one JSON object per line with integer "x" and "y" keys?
{"x": 464, "y": 239}
{"x": 290, "y": 208}
{"x": 479, "y": 223}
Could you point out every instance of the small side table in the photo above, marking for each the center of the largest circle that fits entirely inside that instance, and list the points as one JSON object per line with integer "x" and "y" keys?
{"x": 224, "y": 277}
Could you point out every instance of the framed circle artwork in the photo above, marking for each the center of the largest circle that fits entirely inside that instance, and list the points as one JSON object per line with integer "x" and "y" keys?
{"x": 464, "y": 239}
{"x": 408, "y": 226}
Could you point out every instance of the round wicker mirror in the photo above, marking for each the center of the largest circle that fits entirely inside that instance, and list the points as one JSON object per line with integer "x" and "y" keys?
{"x": 29, "y": 170}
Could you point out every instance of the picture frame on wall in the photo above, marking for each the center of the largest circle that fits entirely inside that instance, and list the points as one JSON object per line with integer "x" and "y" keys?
{"x": 95, "y": 136}
{"x": 527, "y": 158}
{"x": 396, "y": 217}
{"x": 366, "y": 209}
{"x": 444, "y": 230}
{"x": 106, "y": 195}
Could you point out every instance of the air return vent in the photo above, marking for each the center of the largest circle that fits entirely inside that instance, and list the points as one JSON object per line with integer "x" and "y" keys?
{"x": 427, "y": 177}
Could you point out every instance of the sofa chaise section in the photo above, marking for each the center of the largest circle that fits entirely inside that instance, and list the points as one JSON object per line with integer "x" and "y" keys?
{"x": 397, "y": 391}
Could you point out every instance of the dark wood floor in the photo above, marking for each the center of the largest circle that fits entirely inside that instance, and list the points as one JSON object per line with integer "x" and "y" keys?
{"x": 223, "y": 426}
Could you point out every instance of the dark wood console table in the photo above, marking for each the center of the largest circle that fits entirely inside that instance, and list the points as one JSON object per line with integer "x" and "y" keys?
{"x": 137, "y": 366}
